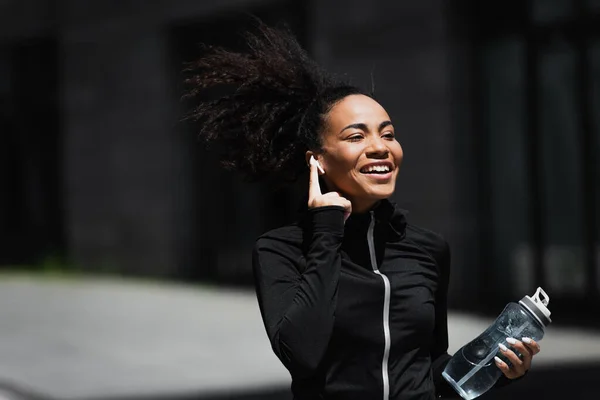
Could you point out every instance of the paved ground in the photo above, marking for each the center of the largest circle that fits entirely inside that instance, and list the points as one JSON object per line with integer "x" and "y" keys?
{"x": 98, "y": 339}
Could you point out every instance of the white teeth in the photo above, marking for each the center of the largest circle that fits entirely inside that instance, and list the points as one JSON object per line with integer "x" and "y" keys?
{"x": 378, "y": 168}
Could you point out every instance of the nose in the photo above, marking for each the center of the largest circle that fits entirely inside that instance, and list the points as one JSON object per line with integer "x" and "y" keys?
{"x": 377, "y": 148}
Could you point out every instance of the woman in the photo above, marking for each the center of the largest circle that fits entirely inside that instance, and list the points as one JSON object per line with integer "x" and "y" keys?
{"x": 352, "y": 296}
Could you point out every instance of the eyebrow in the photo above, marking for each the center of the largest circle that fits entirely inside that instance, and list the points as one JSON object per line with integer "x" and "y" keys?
{"x": 363, "y": 126}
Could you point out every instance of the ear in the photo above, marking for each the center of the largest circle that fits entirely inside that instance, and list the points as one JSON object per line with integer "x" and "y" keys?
{"x": 307, "y": 157}
{"x": 310, "y": 154}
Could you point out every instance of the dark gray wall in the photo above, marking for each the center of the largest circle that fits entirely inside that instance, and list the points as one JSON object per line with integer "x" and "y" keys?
{"x": 127, "y": 173}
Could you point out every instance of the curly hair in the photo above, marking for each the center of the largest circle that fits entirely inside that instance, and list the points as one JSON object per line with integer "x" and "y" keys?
{"x": 276, "y": 106}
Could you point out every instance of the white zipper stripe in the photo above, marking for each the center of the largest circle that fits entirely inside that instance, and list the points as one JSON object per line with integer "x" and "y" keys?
{"x": 386, "y": 311}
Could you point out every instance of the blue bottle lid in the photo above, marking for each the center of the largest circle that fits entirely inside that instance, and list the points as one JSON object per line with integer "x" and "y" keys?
{"x": 538, "y": 306}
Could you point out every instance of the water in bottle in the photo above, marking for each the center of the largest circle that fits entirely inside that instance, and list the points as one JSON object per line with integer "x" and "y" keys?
{"x": 472, "y": 371}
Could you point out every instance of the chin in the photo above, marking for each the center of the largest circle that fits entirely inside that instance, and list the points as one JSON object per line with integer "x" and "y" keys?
{"x": 384, "y": 190}
{"x": 381, "y": 194}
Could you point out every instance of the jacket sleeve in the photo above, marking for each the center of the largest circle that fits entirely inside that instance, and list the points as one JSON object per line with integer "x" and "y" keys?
{"x": 439, "y": 346}
{"x": 298, "y": 309}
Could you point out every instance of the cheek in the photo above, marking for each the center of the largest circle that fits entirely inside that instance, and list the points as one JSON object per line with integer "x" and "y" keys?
{"x": 398, "y": 153}
{"x": 342, "y": 161}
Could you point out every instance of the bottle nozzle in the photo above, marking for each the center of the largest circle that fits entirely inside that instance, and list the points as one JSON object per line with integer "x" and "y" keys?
{"x": 538, "y": 305}
{"x": 545, "y": 299}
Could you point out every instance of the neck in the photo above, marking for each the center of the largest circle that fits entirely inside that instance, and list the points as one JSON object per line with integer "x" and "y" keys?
{"x": 361, "y": 207}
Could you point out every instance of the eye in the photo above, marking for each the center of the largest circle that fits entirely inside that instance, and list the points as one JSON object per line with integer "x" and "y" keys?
{"x": 389, "y": 135}
{"x": 354, "y": 138}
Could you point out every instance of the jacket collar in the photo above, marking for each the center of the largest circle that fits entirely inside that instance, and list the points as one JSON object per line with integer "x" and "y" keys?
{"x": 386, "y": 213}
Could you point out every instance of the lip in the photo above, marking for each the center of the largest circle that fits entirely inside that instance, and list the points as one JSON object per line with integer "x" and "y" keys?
{"x": 379, "y": 163}
{"x": 379, "y": 177}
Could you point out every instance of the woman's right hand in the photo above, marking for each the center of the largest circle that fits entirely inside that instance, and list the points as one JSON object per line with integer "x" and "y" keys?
{"x": 318, "y": 199}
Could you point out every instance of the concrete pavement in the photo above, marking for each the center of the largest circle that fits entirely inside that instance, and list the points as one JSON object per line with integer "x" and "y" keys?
{"x": 96, "y": 338}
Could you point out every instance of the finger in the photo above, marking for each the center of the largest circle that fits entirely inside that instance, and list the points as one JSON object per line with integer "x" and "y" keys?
{"x": 314, "y": 189}
{"x": 348, "y": 209}
{"x": 520, "y": 347}
{"x": 347, "y": 215}
{"x": 504, "y": 368}
{"x": 333, "y": 194}
{"x": 348, "y": 205}
{"x": 512, "y": 357}
{"x": 531, "y": 344}
{"x": 526, "y": 353}
{"x": 341, "y": 199}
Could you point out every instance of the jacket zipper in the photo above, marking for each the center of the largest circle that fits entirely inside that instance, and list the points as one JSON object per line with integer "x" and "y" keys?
{"x": 386, "y": 310}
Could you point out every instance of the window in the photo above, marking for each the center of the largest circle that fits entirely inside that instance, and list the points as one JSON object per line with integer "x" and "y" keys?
{"x": 504, "y": 84}
{"x": 539, "y": 64}
{"x": 595, "y": 74}
{"x": 545, "y": 11}
{"x": 561, "y": 181}
{"x": 31, "y": 209}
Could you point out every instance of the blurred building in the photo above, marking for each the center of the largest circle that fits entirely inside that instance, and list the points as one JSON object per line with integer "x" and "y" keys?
{"x": 496, "y": 106}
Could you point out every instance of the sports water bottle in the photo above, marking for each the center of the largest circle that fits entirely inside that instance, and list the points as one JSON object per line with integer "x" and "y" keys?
{"x": 472, "y": 371}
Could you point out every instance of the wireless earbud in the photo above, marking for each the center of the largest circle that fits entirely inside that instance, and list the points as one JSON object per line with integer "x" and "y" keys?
{"x": 313, "y": 161}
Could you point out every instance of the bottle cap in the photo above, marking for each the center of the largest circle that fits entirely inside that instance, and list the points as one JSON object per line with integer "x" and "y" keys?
{"x": 538, "y": 306}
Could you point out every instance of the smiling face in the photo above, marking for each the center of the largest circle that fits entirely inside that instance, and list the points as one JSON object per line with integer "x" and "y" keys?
{"x": 360, "y": 154}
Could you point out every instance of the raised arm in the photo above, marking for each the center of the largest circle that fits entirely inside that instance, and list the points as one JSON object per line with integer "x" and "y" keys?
{"x": 298, "y": 309}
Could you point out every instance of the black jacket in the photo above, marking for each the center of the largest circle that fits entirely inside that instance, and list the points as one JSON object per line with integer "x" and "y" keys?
{"x": 356, "y": 311}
